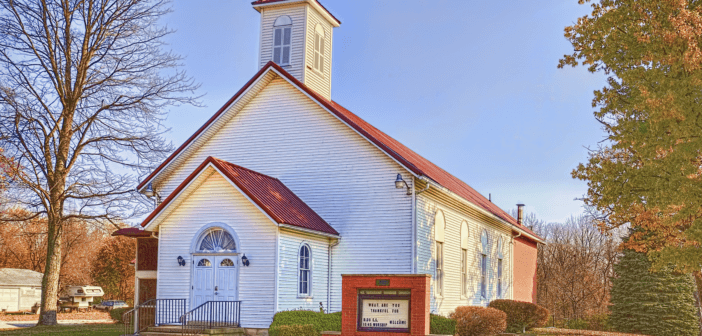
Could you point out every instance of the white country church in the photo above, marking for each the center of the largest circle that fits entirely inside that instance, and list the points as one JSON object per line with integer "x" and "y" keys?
{"x": 283, "y": 190}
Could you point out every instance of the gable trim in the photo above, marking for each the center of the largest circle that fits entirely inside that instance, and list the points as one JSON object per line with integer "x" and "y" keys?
{"x": 306, "y": 91}
{"x": 204, "y": 127}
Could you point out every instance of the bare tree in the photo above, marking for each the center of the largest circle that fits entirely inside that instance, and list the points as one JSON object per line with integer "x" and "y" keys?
{"x": 83, "y": 87}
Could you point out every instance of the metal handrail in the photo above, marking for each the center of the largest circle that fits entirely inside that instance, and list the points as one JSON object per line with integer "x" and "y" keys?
{"x": 211, "y": 314}
{"x": 151, "y": 313}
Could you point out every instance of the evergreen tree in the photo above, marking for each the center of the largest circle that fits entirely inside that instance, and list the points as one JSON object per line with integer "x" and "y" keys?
{"x": 660, "y": 303}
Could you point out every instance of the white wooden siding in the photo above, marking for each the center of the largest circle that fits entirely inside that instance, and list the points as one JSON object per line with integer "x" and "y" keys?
{"x": 216, "y": 200}
{"x": 427, "y": 205}
{"x": 289, "y": 248}
{"x": 320, "y": 83}
{"x": 297, "y": 51}
{"x": 344, "y": 178}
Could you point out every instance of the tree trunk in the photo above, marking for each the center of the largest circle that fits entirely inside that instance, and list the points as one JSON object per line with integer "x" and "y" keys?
{"x": 50, "y": 281}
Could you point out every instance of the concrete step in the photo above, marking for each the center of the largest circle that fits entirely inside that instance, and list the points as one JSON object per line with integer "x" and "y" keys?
{"x": 172, "y": 330}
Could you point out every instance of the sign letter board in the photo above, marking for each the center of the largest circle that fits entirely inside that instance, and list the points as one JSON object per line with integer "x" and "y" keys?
{"x": 384, "y": 310}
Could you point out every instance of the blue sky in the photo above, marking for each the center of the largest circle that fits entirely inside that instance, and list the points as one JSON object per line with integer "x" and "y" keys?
{"x": 470, "y": 85}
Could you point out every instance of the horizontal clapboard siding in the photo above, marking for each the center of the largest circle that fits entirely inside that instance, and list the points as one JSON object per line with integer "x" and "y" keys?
{"x": 216, "y": 200}
{"x": 289, "y": 248}
{"x": 297, "y": 49}
{"x": 427, "y": 205}
{"x": 319, "y": 82}
{"x": 341, "y": 176}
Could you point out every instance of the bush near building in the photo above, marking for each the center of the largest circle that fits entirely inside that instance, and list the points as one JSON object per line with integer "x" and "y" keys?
{"x": 521, "y": 315}
{"x": 479, "y": 321}
{"x": 440, "y": 325}
{"x": 652, "y": 303}
{"x": 320, "y": 321}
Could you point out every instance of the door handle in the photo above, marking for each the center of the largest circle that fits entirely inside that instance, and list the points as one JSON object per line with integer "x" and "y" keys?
{"x": 216, "y": 288}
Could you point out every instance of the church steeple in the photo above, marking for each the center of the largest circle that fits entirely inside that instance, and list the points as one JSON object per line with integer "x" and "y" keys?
{"x": 297, "y": 35}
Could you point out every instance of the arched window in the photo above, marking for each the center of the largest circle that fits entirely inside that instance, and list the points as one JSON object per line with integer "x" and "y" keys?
{"x": 282, "y": 37}
{"x": 499, "y": 267}
{"x": 226, "y": 263}
{"x": 217, "y": 240}
{"x": 439, "y": 229}
{"x": 204, "y": 263}
{"x": 304, "y": 279}
{"x": 484, "y": 264}
{"x": 319, "y": 48}
{"x": 464, "y": 259}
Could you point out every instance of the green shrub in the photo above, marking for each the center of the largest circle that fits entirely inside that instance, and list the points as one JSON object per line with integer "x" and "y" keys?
{"x": 116, "y": 314}
{"x": 479, "y": 321}
{"x": 440, "y": 325}
{"x": 578, "y": 324}
{"x": 599, "y": 322}
{"x": 293, "y": 330}
{"x": 320, "y": 322}
{"x": 521, "y": 315}
{"x": 657, "y": 304}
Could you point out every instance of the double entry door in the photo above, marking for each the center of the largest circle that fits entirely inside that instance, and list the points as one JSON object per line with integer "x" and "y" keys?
{"x": 214, "y": 279}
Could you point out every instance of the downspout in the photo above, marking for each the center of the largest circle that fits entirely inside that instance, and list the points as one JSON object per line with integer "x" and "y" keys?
{"x": 329, "y": 272}
{"x": 414, "y": 223}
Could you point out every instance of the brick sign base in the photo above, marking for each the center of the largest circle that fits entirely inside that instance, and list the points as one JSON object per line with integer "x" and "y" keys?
{"x": 416, "y": 284}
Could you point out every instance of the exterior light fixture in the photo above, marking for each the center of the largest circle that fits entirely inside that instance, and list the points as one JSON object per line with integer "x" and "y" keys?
{"x": 399, "y": 183}
{"x": 245, "y": 260}
{"x": 149, "y": 191}
{"x": 181, "y": 261}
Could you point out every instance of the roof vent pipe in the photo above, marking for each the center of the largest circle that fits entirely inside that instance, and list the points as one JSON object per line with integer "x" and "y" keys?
{"x": 520, "y": 213}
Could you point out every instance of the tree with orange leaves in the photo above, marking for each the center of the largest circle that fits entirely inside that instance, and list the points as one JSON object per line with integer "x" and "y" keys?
{"x": 648, "y": 171}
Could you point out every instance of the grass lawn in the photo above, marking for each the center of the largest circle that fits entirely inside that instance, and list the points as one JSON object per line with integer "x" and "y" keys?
{"x": 65, "y": 330}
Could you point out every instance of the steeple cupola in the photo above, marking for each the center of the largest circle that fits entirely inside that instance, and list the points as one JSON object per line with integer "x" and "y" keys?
{"x": 297, "y": 35}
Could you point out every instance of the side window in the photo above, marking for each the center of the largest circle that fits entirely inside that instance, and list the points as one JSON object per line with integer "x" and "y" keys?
{"x": 282, "y": 36}
{"x": 439, "y": 229}
{"x": 484, "y": 264}
{"x": 499, "y": 268}
{"x": 464, "y": 259}
{"x": 304, "y": 279}
{"x": 319, "y": 48}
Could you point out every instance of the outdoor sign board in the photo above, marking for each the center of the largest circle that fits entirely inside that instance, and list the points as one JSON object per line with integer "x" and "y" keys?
{"x": 384, "y": 310}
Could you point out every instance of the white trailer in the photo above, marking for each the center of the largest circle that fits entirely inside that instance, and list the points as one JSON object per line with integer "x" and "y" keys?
{"x": 81, "y": 297}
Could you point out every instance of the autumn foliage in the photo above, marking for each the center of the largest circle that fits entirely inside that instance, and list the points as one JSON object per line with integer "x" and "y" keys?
{"x": 479, "y": 321}
{"x": 111, "y": 268}
{"x": 90, "y": 255}
{"x": 648, "y": 171}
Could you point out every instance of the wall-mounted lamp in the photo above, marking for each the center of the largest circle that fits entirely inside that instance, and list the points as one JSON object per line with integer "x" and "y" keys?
{"x": 399, "y": 183}
{"x": 245, "y": 260}
{"x": 150, "y": 192}
{"x": 181, "y": 261}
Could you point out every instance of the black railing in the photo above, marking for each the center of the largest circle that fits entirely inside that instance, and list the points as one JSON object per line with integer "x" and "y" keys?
{"x": 210, "y": 315}
{"x": 152, "y": 313}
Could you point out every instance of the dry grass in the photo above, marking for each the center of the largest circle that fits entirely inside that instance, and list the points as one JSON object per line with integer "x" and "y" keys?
{"x": 94, "y": 315}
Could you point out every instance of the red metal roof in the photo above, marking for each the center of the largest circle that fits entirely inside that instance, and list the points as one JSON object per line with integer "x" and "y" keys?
{"x": 413, "y": 161}
{"x": 271, "y": 195}
{"x": 261, "y": 2}
{"x": 132, "y": 232}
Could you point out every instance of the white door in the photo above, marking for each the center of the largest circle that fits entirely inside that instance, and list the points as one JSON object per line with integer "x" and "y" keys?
{"x": 214, "y": 279}
{"x": 203, "y": 281}
{"x": 225, "y": 279}
{"x": 9, "y": 299}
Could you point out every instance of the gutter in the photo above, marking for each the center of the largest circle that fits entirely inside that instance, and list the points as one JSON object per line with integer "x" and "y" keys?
{"x": 453, "y": 195}
{"x": 329, "y": 273}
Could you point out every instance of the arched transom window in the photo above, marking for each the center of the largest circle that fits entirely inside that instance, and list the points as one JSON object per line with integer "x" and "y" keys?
{"x": 217, "y": 240}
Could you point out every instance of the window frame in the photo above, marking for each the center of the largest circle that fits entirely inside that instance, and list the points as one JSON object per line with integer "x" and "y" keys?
{"x": 483, "y": 274}
{"x": 439, "y": 269}
{"x": 500, "y": 264}
{"x": 464, "y": 273}
{"x": 284, "y": 25}
{"x": 307, "y": 271}
{"x": 319, "y": 46}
